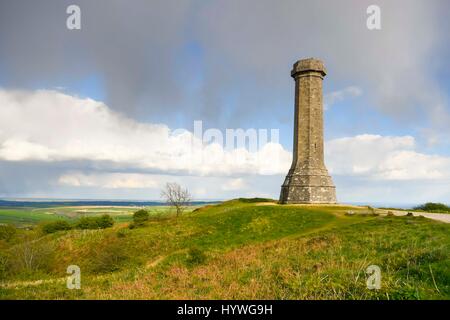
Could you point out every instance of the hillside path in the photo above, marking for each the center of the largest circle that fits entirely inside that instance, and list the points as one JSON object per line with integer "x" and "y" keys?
{"x": 443, "y": 217}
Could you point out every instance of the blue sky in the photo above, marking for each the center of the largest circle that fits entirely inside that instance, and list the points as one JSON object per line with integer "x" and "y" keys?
{"x": 226, "y": 63}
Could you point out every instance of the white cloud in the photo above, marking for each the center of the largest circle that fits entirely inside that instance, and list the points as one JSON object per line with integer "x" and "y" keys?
{"x": 107, "y": 185}
{"x": 51, "y": 126}
{"x": 234, "y": 184}
{"x": 108, "y": 180}
{"x": 396, "y": 65}
{"x": 117, "y": 156}
{"x": 14, "y": 149}
{"x": 384, "y": 158}
{"x": 336, "y": 96}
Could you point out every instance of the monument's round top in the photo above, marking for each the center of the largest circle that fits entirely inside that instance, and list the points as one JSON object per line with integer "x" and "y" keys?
{"x": 307, "y": 65}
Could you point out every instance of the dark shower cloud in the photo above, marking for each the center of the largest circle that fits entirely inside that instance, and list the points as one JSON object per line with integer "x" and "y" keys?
{"x": 130, "y": 46}
{"x": 138, "y": 51}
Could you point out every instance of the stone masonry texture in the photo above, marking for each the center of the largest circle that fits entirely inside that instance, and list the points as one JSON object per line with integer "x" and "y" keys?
{"x": 308, "y": 180}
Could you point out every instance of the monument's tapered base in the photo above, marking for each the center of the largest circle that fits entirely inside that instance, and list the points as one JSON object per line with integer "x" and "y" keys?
{"x": 307, "y": 188}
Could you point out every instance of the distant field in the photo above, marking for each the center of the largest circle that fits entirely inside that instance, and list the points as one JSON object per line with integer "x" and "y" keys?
{"x": 23, "y": 217}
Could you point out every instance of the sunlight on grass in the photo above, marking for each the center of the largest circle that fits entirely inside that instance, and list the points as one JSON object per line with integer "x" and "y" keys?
{"x": 241, "y": 250}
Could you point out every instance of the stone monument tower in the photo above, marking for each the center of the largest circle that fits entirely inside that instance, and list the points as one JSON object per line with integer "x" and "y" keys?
{"x": 308, "y": 180}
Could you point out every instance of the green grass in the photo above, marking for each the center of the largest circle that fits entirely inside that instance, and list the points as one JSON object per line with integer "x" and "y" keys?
{"x": 239, "y": 250}
{"x": 26, "y": 217}
{"x": 433, "y": 207}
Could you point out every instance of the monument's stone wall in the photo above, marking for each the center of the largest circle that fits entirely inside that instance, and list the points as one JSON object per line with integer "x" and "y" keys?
{"x": 308, "y": 180}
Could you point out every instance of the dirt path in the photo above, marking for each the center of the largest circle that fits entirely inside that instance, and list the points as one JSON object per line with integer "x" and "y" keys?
{"x": 18, "y": 284}
{"x": 443, "y": 217}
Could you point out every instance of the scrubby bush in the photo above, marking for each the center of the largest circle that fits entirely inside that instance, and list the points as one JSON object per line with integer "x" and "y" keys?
{"x": 54, "y": 226}
{"x": 7, "y": 232}
{"x": 122, "y": 233}
{"x": 86, "y": 223}
{"x": 3, "y": 265}
{"x": 433, "y": 207}
{"x": 107, "y": 256}
{"x": 140, "y": 217}
{"x": 30, "y": 256}
{"x": 195, "y": 256}
{"x": 103, "y": 222}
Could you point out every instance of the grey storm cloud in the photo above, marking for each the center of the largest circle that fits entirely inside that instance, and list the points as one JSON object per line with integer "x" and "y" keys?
{"x": 26, "y": 178}
{"x": 130, "y": 45}
{"x": 136, "y": 48}
{"x": 397, "y": 64}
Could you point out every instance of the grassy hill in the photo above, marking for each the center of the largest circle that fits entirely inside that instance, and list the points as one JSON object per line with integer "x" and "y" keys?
{"x": 240, "y": 249}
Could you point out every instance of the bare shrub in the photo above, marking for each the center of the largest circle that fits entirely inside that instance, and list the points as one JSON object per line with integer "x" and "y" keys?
{"x": 107, "y": 255}
{"x": 30, "y": 256}
{"x": 176, "y": 196}
{"x": 7, "y": 232}
{"x": 3, "y": 265}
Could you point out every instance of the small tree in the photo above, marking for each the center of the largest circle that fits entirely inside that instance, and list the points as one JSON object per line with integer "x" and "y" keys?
{"x": 433, "y": 207}
{"x": 105, "y": 221}
{"x": 176, "y": 196}
{"x": 140, "y": 217}
{"x": 54, "y": 226}
{"x": 102, "y": 222}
